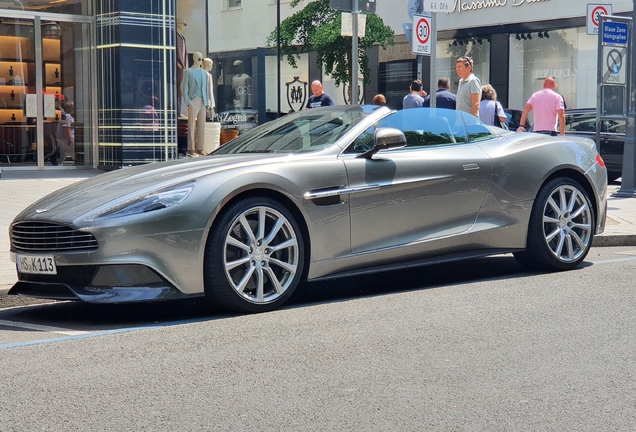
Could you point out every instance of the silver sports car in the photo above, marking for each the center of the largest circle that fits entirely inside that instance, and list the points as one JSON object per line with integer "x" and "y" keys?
{"x": 323, "y": 193}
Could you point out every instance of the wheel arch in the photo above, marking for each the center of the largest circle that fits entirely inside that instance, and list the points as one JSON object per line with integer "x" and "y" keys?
{"x": 283, "y": 200}
{"x": 583, "y": 181}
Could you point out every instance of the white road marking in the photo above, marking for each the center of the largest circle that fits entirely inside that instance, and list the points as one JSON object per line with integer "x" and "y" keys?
{"x": 612, "y": 261}
{"x": 42, "y": 328}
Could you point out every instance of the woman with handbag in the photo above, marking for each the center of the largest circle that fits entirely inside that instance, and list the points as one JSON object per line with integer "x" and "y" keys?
{"x": 490, "y": 111}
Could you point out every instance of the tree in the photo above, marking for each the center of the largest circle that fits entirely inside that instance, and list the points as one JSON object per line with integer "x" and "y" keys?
{"x": 317, "y": 28}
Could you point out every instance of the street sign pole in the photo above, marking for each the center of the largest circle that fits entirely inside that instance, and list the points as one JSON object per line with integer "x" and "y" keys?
{"x": 433, "y": 70}
{"x": 420, "y": 58}
{"x": 629, "y": 155}
{"x": 354, "y": 53}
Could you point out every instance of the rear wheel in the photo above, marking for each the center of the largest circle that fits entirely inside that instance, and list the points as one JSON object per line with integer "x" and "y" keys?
{"x": 255, "y": 256}
{"x": 561, "y": 227}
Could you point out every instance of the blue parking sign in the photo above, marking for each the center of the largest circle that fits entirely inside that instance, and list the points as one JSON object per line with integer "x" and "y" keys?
{"x": 615, "y": 33}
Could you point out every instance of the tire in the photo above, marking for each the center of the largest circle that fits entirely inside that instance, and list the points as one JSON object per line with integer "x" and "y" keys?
{"x": 561, "y": 228}
{"x": 254, "y": 256}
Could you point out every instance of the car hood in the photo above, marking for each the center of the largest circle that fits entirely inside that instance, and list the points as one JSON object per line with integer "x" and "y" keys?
{"x": 84, "y": 196}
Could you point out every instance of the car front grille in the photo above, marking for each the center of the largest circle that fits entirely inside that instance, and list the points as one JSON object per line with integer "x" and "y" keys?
{"x": 35, "y": 237}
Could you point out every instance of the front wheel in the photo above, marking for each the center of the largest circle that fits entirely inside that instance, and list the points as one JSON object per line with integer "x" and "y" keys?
{"x": 255, "y": 256}
{"x": 561, "y": 227}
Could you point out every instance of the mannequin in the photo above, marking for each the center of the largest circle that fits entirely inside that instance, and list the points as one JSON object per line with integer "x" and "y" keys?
{"x": 207, "y": 65}
{"x": 197, "y": 97}
{"x": 182, "y": 62}
{"x": 242, "y": 86}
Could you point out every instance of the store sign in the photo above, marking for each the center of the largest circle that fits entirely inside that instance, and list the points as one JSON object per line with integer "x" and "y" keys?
{"x": 475, "y": 5}
{"x": 438, "y": 5}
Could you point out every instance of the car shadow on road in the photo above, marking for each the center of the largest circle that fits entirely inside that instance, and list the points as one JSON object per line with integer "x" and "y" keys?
{"x": 96, "y": 317}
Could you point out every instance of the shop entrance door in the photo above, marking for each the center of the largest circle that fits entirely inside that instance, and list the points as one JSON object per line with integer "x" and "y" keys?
{"x": 46, "y": 101}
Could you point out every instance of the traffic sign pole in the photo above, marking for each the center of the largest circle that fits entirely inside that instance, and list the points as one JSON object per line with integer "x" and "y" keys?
{"x": 628, "y": 173}
{"x": 433, "y": 71}
{"x": 354, "y": 53}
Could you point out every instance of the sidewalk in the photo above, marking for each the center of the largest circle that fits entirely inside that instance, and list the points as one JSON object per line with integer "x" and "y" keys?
{"x": 19, "y": 188}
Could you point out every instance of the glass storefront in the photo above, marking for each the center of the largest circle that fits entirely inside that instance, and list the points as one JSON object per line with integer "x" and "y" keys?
{"x": 567, "y": 55}
{"x": 45, "y": 91}
{"x": 46, "y": 111}
{"x": 449, "y": 51}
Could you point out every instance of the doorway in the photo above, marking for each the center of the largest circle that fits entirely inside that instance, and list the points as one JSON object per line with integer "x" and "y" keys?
{"x": 46, "y": 85}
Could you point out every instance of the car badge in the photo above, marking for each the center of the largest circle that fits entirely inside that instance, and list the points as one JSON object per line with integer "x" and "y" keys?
{"x": 38, "y": 211}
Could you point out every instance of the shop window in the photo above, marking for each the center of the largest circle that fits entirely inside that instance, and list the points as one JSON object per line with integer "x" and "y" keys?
{"x": 567, "y": 55}
{"x": 448, "y": 51}
{"x": 295, "y": 87}
{"x": 233, "y": 4}
{"x": 394, "y": 80}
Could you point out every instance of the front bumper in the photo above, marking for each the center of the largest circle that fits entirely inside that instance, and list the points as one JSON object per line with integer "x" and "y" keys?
{"x": 118, "y": 283}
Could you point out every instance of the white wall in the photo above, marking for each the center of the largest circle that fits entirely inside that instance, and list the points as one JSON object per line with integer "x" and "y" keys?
{"x": 249, "y": 26}
{"x": 193, "y": 13}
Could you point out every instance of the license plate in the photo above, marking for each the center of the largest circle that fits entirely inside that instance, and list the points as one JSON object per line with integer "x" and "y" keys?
{"x": 36, "y": 264}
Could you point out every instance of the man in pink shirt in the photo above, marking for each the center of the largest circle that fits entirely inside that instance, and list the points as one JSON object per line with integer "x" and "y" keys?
{"x": 548, "y": 107}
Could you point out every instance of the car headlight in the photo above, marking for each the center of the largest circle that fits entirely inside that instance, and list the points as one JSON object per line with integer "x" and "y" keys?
{"x": 151, "y": 201}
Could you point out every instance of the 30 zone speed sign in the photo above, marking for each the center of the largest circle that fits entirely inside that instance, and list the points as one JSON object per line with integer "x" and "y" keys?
{"x": 421, "y": 35}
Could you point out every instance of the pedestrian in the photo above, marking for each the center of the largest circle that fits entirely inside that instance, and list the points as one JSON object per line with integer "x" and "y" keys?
{"x": 319, "y": 97}
{"x": 489, "y": 107}
{"x": 66, "y": 133}
{"x": 556, "y": 89}
{"x": 379, "y": 99}
{"x": 443, "y": 96}
{"x": 415, "y": 98}
{"x": 548, "y": 109}
{"x": 469, "y": 90}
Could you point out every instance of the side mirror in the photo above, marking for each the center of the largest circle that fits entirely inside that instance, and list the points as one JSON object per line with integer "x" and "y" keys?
{"x": 386, "y": 139}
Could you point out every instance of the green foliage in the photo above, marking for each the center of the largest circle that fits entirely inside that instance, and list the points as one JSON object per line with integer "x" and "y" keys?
{"x": 317, "y": 28}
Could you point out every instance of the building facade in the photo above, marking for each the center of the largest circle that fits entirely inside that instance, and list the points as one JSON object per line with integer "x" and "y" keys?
{"x": 87, "y": 83}
{"x": 93, "y": 83}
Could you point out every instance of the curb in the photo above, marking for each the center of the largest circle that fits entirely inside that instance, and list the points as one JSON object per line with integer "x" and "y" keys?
{"x": 614, "y": 240}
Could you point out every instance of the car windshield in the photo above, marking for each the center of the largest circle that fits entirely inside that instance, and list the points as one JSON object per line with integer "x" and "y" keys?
{"x": 304, "y": 131}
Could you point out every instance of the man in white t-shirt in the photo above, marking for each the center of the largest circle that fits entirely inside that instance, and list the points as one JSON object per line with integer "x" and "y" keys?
{"x": 469, "y": 90}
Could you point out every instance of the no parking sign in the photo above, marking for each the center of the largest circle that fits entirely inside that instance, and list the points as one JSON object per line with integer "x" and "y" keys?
{"x": 421, "y": 39}
{"x": 594, "y": 12}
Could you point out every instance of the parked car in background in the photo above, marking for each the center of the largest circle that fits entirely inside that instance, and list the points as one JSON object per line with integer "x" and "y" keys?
{"x": 514, "y": 118}
{"x": 582, "y": 122}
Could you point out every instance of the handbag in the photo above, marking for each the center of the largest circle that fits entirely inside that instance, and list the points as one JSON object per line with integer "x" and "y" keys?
{"x": 497, "y": 122}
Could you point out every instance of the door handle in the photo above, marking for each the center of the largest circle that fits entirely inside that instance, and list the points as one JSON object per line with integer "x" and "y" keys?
{"x": 470, "y": 166}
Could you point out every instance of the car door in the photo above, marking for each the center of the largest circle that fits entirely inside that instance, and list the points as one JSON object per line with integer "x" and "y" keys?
{"x": 612, "y": 146}
{"x": 433, "y": 187}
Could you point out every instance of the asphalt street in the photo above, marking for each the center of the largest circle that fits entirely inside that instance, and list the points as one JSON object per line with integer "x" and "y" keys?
{"x": 480, "y": 345}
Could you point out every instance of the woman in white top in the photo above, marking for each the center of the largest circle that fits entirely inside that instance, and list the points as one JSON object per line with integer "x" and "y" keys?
{"x": 488, "y": 105}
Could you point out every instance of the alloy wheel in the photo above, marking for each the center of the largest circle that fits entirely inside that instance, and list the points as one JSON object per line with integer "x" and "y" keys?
{"x": 567, "y": 223}
{"x": 261, "y": 254}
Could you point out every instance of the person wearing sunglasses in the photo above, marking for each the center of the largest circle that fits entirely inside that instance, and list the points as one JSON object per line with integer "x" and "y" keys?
{"x": 469, "y": 90}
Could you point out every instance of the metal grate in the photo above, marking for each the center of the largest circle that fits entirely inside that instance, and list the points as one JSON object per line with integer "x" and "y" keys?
{"x": 49, "y": 237}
